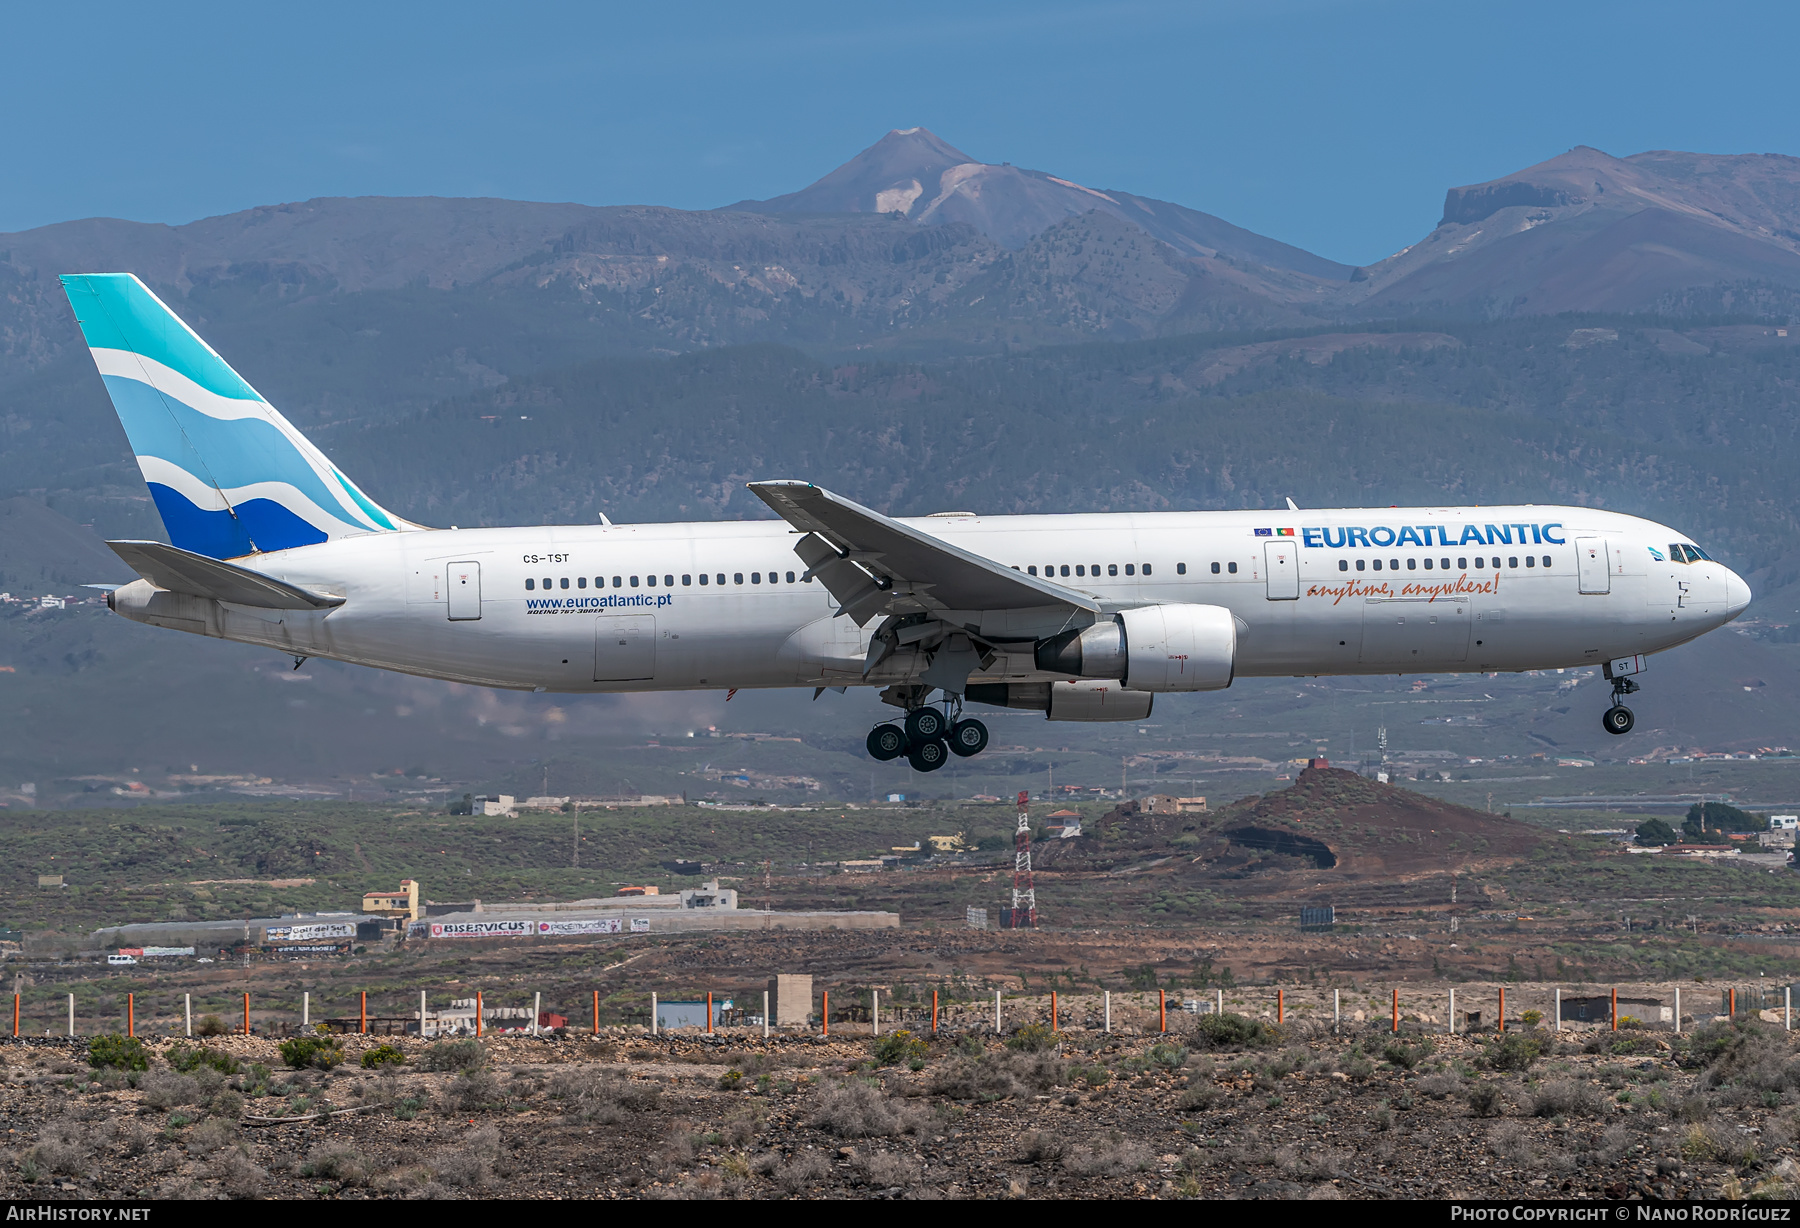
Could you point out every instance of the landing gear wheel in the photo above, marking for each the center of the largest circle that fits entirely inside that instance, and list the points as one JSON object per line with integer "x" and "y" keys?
{"x": 925, "y": 725}
{"x": 1618, "y": 719}
{"x": 886, "y": 742}
{"x": 968, "y": 737}
{"x": 928, "y": 756}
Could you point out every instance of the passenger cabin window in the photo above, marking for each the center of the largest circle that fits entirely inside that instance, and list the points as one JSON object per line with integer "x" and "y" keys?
{"x": 1065, "y": 569}
{"x": 1479, "y": 564}
{"x": 1343, "y": 564}
{"x": 737, "y": 577}
{"x": 1444, "y": 563}
{"x": 565, "y": 582}
{"x": 1215, "y": 569}
{"x": 619, "y": 582}
{"x": 790, "y": 577}
{"x": 756, "y": 577}
{"x": 547, "y": 583}
{"x": 1359, "y": 564}
{"x": 1463, "y": 563}
{"x": 703, "y": 578}
{"x": 634, "y": 582}
{"x": 1112, "y": 569}
{"x": 1412, "y": 564}
{"x": 580, "y": 581}
{"x": 1531, "y": 560}
{"x": 721, "y": 578}
{"x": 668, "y": 581}
{"x": 1512, "y": 562}
{"x": 1080, "y": 570}
{"x": 1031, "y": 570}
{"x": 1377, "y": 564}
{"x": 687, "y": 581}
{"x": 530, "y": 584}
{"x": 650, "y": 581}
{"x": 1147, "y": 569}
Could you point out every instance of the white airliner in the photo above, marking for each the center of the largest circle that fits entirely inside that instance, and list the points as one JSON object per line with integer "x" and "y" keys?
{"x": 1084, "y": 617}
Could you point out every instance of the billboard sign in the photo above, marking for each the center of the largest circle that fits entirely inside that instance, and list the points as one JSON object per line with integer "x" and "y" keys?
{"x": 311, "y": 933}
{"x": 480, "y": 929}
{"x": 600, "y": 925}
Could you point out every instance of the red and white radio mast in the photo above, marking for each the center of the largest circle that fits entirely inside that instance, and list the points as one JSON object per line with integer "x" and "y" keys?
{"x": 1024, "y": 901}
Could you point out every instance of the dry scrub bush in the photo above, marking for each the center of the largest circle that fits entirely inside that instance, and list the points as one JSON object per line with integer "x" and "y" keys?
{"x": 602, "y": 1097}
{"x": 1044, "y": 1148}
{"x": 1485, "y": 1100}
{"x": 1513, "y": 1143}
{"x": 886, "y": 1170}
{"x": 448, "y": 1055}
{"x": 61, "y": 1147}
{"x": 1567, "y": 1098}
{"x": 211, "y": 1135}
{"x": 1311, "y": 1162}
{"x": 132, "y": 1139}
{"x": 856, "y": 1110}
{"x": 239, "y": 1176}
{"x": 803, "y": 1172}
{"x": 703, "y": 1186}
{"x": 998, "y": 1076}
{"x": 1439, "y": 1085}
{"x": 338, "y": 1162}
{"x": 471, "y": 1163}
{"x": 476, "y": 1090}
{"x": 1720, "y": 1144}
{"x": 164, "y": 1089}
{"x": 1113, "y": 1158}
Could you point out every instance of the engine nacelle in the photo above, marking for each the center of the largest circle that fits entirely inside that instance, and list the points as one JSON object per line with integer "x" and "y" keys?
{"x": 1090, "y": 699}
{"x": 1179, "y": 647}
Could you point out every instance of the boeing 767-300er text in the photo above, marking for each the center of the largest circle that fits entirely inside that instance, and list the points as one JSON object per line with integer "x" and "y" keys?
{"x": 1084, "y": 617}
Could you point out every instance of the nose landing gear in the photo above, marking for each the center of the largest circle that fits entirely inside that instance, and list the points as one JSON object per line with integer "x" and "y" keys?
{"x": 927, "y": 737}
{"x": 1618, "y": 718}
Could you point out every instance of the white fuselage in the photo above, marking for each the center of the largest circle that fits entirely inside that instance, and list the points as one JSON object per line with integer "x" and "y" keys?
{"x": 645, "y": 607}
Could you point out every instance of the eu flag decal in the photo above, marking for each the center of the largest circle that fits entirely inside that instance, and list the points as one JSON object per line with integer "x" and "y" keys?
{"x": 1265, "y": 532}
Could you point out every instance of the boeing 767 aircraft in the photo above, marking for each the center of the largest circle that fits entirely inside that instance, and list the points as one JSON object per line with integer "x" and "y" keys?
{"x": 1085, "y": 617}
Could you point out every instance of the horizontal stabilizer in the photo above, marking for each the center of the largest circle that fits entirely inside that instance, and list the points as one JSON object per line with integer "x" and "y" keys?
{"x": 183, "y": 571}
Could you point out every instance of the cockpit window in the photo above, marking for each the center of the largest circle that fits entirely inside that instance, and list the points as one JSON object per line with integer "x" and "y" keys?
{"x": 1676, "y": 554}
{"x": 1695, "y": 554}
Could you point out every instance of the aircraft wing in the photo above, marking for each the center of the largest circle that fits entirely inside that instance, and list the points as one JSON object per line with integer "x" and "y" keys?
{"x": 875, "y": 565}
{"x": 183, "y": 571}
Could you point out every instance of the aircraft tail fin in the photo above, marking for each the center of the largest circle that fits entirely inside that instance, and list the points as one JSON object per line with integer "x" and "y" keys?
{"x": 229, "y": 474}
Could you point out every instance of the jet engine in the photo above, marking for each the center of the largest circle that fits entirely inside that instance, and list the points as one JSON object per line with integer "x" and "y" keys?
{"x": 1175, "y": 647}
{"x": 1086, "y": 700}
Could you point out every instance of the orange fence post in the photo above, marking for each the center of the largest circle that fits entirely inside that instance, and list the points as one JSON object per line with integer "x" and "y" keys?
{"x": 130, "y": 1015}
{"x": 933, "y": 1012}
{"x": 365, "y": 1012}
{"x": 709, "y": 1012}
{"x": 1396, "y": 1012}
{"x": 246, "y": 1014}
{"x": 596, "y": 1012}
{"x": 1280, "y": 1005}
{"x": 1733, "y": 1008}
{"x": 1053, "y": 1010}
{"x": 1162, "y": 1010}
{"x": 1615, "y": 1008}
{"x": 825, "y": 1013}
{"x": 16, "y": 1016}
{"x": 477, "y": 1014}
{"x": 1503, "y": 1008}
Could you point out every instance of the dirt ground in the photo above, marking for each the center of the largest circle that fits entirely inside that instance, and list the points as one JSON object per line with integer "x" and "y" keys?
{"x": 1234, "y": 1108}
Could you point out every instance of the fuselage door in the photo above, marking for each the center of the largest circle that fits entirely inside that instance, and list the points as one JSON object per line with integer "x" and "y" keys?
{"x": 1282, "y": 566}
{"x": 625, "y": 648}
{"x": 463, "y": 584}
{"x": 1594, "y": 564}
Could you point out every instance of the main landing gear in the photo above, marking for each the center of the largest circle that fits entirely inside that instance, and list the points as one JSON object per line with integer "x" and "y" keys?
{"x": 928, "y": 737}
{"x": 1618, "y": 718}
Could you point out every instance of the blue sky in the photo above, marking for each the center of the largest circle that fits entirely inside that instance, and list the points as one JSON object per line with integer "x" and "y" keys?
{"x": 1334, "y": 126}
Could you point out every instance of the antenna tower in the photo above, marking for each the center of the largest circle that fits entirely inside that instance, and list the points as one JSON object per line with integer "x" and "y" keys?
{"x": 1024, "y": 899}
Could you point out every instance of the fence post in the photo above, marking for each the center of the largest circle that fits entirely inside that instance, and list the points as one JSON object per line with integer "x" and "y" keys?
{"x": 1337, "y": 1009}
{"x": 1558, "y": 1008}
{"x": 1677, "y": 1009}
{"x": 1615, "y": 1008}
{"x": 597, "y": 1010}
{"x": 1162, "y": 1010}
{"x": 1453, "y": 1012}
{"x": 306, "y": 1008}
{"x": 653, "y": 1012}
{"x": 477, "y": 1014}
{"x": 537, "y": 1013}
{"x": 1106, "y": 1004}
{"x": 15, "y": 1016}
{"x": 130, "y": 1014}
{"x": 71, "y": 1014}
{"x": 1787, "y": 1009}
{"x": 709, "y": 1012}
{"x": 825, "y": 1013}
{"x": 766, "y": 1009}
{"x": 1732, "y": 1008}
{"x": 1396, "y": 1012}
{"x": 421, "y": 1014}
{"x": 874, "y": 1012}
{"x": 362, "y": 1012}
{"x": 1280, "y": 1005}
{"x": 1503, "y": 1008}
{"x": 187, "y": 1010}
{"x": 1053, "y": 1010}
{"x": 996, "y": 1012}
{"x": 246, "y": 1014}
{"x": 1219, "y": 1002}
{"x": 934, "y": 1012}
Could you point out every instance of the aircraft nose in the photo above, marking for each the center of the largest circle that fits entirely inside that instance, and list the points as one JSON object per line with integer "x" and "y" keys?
{"x": 1737, "y": 594}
